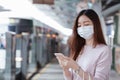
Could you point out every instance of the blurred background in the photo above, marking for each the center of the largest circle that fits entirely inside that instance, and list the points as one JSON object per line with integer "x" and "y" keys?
{"x": 31, "y": 31}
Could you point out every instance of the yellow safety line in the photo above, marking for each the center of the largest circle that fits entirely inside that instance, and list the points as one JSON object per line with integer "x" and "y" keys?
{"x": 44, "y": 69}
{"x": 41, "y": 71}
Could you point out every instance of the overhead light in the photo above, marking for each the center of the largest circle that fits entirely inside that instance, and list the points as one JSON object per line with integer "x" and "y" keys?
{"x": 48, "y": 35}
{"x": 43, "y": 1}
{"x": 90, "y": 4}
{"x": 81, "y": 5}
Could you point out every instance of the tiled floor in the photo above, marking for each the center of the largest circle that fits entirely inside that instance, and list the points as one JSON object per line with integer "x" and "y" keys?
{"x": 52, "y": 71}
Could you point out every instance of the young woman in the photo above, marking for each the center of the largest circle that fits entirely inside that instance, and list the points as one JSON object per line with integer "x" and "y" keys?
{"x": 90, "y": 57}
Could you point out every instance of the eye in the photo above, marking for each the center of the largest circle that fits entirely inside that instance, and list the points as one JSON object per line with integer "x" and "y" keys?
{"x": 79, "y": 25}
{"x": 87, "y": 24}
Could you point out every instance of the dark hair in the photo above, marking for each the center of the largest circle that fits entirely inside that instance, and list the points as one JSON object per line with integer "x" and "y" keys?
{"x": 77, "y": 42}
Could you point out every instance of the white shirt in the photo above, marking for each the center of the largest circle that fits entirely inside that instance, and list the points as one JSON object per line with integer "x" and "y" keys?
{"x": 96, "y": 61}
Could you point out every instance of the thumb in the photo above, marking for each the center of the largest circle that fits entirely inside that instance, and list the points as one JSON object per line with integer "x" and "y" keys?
{"x": 58, "y": 59}
{"x": 67, "y": 58}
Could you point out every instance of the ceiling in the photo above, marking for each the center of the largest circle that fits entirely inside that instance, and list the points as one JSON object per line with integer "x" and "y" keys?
{"x": 110, "y": 7}
{"x": 62, "y": 11}
{"x": 109, "y": 3}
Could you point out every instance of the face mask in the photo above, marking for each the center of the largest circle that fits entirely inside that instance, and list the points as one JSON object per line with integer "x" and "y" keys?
{"x": 85, "y": 32}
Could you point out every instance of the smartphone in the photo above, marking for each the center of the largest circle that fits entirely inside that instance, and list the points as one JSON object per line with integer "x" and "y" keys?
{"x": 59, "y": 54}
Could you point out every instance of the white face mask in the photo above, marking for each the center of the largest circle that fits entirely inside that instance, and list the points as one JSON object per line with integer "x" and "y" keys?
{"x": 85, "y": 32}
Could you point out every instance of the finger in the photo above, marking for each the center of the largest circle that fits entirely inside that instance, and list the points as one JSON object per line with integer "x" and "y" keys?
{"x": 65, "y": 62}
{"x": 58, "y": 58}
{"x": 62, "y": 62}
{"x": 58, "y": 54}
{"x": 66, "y": 58}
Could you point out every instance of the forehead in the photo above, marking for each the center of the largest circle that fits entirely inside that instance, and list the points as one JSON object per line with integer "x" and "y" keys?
{"x": 83, "y": 18}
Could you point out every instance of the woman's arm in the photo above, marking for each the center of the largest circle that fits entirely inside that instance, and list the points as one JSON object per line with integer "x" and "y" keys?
{"x": 103, "y": 65}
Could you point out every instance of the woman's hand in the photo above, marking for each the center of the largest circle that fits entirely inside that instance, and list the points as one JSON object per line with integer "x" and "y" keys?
{"x": 63, "y": 62}
{"x": 66, "y": 62}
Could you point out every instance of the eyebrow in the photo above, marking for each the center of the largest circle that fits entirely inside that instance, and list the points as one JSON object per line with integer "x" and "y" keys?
{"x": 86, "y": 21}
{"x": 83, "y": 22}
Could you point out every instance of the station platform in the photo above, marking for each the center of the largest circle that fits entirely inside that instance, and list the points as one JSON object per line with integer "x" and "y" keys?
{"x": 53, "y": 71}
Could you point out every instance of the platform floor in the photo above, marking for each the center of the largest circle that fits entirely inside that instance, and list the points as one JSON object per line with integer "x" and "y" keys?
{"x": 52, "y": 71}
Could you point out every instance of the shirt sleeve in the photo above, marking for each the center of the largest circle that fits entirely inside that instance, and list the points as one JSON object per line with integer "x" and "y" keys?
{"x": 103, "y": 65}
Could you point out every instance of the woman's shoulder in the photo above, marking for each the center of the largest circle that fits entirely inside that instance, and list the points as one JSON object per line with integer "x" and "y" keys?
{"x": 106, "y": 52}
{"x": 103, "y": 47}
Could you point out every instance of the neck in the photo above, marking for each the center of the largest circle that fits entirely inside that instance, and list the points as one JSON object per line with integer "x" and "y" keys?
{"x": 89, "y": 41}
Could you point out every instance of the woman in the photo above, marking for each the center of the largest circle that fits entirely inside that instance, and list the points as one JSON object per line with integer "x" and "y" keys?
{"x": 90, "y": 57}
